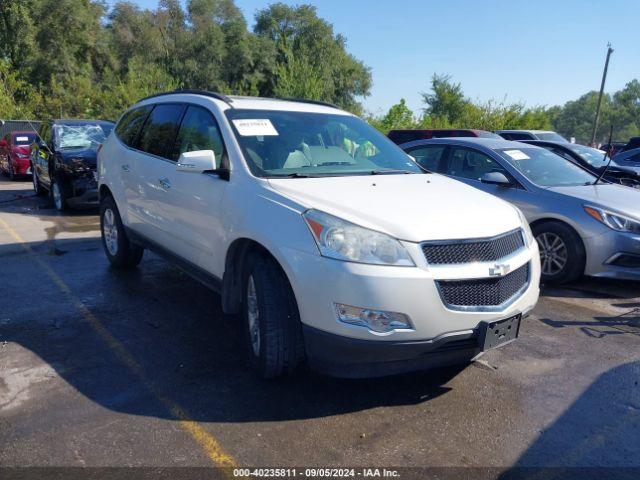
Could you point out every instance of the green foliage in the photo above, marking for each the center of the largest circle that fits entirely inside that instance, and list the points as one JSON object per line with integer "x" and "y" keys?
{"x": 446, "y": 106}
{"x": 75, "y": 58}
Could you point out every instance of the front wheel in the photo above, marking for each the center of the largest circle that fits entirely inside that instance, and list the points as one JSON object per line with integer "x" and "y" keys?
{"x": 121, "y": 253}
{"x": 562, "y": 254}
{"x": 59, "y": 195}
{"x": 271, "y": 318}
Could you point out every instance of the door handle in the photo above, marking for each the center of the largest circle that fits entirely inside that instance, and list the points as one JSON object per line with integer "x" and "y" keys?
{"x": 125, "y": 168}
{"x": 164, "y": 183}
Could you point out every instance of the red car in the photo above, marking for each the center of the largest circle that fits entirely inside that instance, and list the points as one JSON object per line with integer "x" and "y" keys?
{"x": 14, "y": 153}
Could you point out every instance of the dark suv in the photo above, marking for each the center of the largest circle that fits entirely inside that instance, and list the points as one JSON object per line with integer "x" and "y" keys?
{"x": 63, "y": 161}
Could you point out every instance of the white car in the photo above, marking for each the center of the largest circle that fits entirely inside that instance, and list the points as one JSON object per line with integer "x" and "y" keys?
{"x": 335, "y": 246}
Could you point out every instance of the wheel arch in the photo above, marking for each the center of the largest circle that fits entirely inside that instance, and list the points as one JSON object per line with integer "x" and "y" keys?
{"x": 235, "y": 261}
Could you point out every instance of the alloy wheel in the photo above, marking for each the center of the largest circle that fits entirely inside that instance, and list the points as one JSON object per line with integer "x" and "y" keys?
{"x": 553, "y": 253}
{"x": 110, "y": 231}
{"x": 253, "y": 316}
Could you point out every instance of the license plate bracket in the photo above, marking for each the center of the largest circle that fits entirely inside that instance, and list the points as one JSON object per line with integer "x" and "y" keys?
{"x": 496, "y": 334}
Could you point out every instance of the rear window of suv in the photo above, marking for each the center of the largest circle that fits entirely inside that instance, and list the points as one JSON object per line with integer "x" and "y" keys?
{"x": 129, "y": 126}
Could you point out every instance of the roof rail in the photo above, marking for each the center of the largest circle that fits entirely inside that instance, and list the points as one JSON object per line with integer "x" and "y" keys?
{"x": 313, "y": 102}
{"x": 206, "y": 93}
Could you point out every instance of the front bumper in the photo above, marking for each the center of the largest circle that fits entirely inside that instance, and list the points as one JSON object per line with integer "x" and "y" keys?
{"x": 83, "y": 191}
{"x": 319, "y": 283}
{"x": 604, "y": 254}
{"x": 21, "y": 166}
{"x": 344, "y": 357}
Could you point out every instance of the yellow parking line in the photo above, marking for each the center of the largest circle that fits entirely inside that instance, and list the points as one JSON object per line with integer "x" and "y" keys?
{"x": 207, "y": 442}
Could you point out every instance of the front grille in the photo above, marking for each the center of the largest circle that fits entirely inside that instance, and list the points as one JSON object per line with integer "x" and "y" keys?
{"x": 483, "y": 292}
{"x": 469, "y": 251}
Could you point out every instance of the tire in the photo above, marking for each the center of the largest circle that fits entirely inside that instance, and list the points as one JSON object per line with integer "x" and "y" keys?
{"x": 37, "y": 188}
{"x": 59, "y": 194}
{"x": 562, "y": 254}
{"x": 272, "y": 322}
{"x": 121, "y": 253}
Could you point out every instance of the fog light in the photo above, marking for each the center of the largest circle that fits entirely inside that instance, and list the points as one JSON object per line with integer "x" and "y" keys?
{"x": 378, "y": 321}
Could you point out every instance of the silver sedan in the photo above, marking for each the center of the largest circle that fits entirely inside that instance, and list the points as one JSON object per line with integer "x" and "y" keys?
{"x": 582, "y": 227}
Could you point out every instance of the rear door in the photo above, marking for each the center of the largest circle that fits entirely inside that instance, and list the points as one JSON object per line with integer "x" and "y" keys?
{"x": 154, "y": 163}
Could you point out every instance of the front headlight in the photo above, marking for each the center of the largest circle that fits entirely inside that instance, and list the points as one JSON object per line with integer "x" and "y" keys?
{"x": 528, "y": 234}
{"x": 342, "y": 240}
{"x": 612, "y": 220}
{"x": 22, "y": 155}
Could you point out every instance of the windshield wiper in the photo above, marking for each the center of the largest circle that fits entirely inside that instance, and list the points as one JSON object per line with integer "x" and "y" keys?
{"x": 390, "y": 172}
{"x": 294, "y": 175}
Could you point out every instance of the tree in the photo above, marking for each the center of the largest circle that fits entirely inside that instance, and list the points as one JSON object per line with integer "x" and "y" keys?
{"x": 399, "y": 116}
{"x": 446, "y": 102}
{"x": 310, "y": 60}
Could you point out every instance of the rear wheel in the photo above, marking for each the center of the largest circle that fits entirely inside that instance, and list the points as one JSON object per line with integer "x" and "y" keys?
{"x": 37, "y": 188}
{"x": 120, "y": 252}
{"x": 271, "y": 318}
{"x": 562, "y": 254}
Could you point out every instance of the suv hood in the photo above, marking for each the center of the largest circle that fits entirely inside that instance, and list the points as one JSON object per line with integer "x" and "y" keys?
{"x": 615, "y": 197}
{"x": 408, "y": 207}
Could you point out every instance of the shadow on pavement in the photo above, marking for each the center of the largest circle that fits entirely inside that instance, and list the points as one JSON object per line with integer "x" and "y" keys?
{"x": 174, "y": 328}
{"x": 600, "y": 429}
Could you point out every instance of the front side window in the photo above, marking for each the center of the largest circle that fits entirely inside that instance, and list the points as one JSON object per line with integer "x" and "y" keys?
{"x": 544, "y": 168}
{"x": 429, "y": 157}
{"x": 199, "y": 131}
{"x": 129, "y": 125}
{"x": 159, "y": 132}
{"x": 81, "y": 135}
{"x": 471, "y": 164}
{"x": 290, "y": 144}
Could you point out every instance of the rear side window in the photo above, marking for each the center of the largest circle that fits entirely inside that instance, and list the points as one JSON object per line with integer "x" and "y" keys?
{"x": 129, "y": 125}
{"x": 429, "y": 157}
{"x": 517, "y": 136}
{"x": 160, "y": 130}
{"x": 199, "y": 131}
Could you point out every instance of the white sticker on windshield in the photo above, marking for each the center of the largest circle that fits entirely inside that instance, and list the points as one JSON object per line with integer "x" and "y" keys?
{"x": 517, "y": 154}
{"x": 255, "y": 127}
{"x": 22, "y": 139}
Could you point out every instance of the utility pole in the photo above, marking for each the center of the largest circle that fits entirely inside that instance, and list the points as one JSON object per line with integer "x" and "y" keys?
{"x": 604, "y": 78}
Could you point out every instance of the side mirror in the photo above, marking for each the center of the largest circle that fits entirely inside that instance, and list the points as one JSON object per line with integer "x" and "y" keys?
{"x": 197, "y": 162}
{"x": 496, "y": 178}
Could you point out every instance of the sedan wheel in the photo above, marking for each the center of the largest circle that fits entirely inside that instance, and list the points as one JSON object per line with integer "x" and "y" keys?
{"x": 553, "y": 253}
{"x": 253, "y": 316}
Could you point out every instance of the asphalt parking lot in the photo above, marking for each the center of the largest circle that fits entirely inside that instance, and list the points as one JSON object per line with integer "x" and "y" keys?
{"x": 103, "y": 368}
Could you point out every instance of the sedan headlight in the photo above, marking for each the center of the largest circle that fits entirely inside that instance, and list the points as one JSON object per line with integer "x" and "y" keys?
{"x": 342, "y": 240}
{"x": 612, "y": 220}
{"x": 22, "y": 155}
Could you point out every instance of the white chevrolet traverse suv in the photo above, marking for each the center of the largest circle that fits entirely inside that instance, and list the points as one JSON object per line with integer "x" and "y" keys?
{"x": 334, "y": 245}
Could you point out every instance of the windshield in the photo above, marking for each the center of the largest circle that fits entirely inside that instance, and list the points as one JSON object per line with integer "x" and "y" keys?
{"x": 81, "y": 136}
{"x": 301, "y": 144}
{"x": 24, "y": 139}
{"x": 593, "y": 156}
{"x": 551, "y": 136}
{"x": 545, "y": 168}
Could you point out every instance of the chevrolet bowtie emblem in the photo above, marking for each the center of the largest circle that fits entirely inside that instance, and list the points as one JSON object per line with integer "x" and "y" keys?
{"x": 499, "y": 270}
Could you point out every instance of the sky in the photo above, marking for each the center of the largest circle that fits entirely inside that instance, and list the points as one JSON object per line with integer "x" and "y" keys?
{"x": 541, "y": 52}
